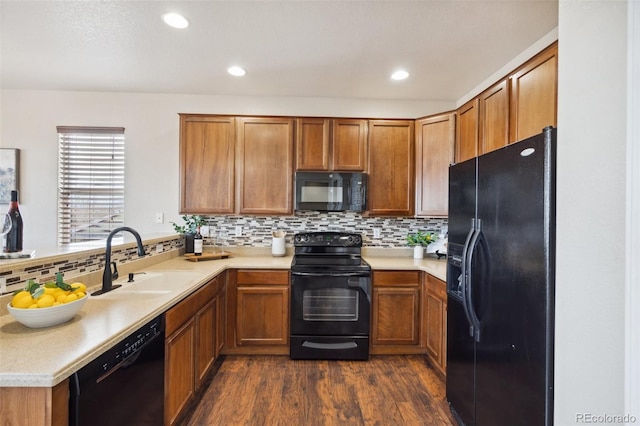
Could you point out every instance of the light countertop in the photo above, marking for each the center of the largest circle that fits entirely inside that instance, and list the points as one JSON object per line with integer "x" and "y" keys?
{"x": 45, "y": 357}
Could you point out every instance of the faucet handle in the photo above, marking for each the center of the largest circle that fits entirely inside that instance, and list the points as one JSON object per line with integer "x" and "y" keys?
{"x": 114, "y": 274}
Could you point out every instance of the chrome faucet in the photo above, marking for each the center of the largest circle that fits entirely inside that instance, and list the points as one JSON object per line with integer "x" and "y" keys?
{"x": 108, "y": 276}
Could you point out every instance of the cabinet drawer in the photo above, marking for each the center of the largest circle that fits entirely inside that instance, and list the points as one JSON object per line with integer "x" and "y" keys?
{"x": 261, "y": 276}
{"x": 437, "y": 287}
{"x": 396, "y": 278}
{"x": 187, "y": 308}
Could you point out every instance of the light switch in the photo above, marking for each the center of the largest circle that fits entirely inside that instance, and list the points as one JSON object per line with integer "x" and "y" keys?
{"x": 376, "y": 232}
{"x": 159, "y": 217}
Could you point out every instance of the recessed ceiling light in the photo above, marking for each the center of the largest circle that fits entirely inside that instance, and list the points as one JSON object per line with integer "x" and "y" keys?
{"x": 399, "y": 75}
{"x": 236, "y": 71}
{"x": 175, "y": 20}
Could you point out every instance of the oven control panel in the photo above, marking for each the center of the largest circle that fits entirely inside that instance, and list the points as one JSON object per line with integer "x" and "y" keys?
{"x": 331, "y": 239}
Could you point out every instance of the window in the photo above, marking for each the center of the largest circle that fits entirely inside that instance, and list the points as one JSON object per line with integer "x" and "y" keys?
{"x": 90, "y": 182}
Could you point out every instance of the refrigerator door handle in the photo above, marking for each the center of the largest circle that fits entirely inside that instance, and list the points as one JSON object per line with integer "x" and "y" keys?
{"x": 464, "y": 275}
{"x": 475, "y": 321}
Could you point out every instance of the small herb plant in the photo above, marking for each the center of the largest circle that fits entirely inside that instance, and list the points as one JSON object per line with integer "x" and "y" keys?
{"x": 191, "y": 222}
{"x": 421, "y": 239}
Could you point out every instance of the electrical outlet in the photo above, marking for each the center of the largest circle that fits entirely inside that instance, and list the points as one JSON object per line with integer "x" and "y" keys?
{"x": 3, "y": 285}
{"x": 376, "y": 232}
{"x": 159, "y": 248}
{"x": 238, "y": 231}
{"x": 159, "y": 217}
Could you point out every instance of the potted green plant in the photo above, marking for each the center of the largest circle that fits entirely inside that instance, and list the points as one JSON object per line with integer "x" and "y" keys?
{"x": 191, "y": 222}
{"x": 419, "y": 241}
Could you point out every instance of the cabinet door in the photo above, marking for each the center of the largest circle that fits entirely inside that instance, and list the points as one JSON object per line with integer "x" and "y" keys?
{"x": 435, "y": 137}
{"x": 349, "y": 145}
{"x": 265, "y": 165}
{"x": 205, "y": 328}
{"x": 494, "y": 118}
{"x": 207, "y": 152}
{"x": 467, "y": 131}
{"x": 435, "y": 311}
{"x": 262, "y": 315}
{"x": 391, "y": 168}
{"x": 436, "y": 322}
{"x": 179, "y": 381}
{"x": 534, "y": 94}
{"x": 312, "y": 144}
{"x": 220, "y": 321}
{"x": 396, "y": 313}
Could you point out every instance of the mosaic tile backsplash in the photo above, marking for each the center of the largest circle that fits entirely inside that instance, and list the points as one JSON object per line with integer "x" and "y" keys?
{"x": 14, "y": 275}
{"x": 256, "y": 231}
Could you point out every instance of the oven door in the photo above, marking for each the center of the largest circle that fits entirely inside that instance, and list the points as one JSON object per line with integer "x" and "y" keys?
{"x": 330, "y": 315}
{"x": 330, "y": 303}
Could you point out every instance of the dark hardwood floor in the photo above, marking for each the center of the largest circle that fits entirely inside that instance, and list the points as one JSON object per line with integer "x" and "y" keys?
{"x": 275, "y": 390}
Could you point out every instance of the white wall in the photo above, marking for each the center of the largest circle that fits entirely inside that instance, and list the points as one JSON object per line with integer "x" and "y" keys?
{"x": 29, "y": 120}
{"x": 591, "y": 179}
{"x": 632, "y": 370}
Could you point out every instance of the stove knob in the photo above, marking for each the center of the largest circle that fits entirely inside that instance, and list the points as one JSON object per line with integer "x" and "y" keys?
{"x": 350, "y": 239}
{"x": 358, "y": 239}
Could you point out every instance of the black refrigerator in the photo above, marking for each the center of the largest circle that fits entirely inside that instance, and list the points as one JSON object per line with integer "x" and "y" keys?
{"x": 500, "y": 285}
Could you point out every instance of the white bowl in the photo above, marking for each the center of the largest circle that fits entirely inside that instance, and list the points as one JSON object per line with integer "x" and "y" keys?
{"x": 47, "y": 317}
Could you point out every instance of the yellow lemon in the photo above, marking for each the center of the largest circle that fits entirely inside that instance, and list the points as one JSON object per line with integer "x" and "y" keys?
{"x": 46, "y": 301}
{"x": 56, "y": 303}
{"x": 70, "y": 298}
{"x": 22, "y": 300}
{"x": 49, "y": 290}
{"x": 79, "y": 287}
{"x": 61, "y": 297}
{"x": 80, "y": 294}
{"x": 34, "y": 306}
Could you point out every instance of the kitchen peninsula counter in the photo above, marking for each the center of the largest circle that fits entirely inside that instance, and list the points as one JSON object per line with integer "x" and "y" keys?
{"x": 45, "y": 357}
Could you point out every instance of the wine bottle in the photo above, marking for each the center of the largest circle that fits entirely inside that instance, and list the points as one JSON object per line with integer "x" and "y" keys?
{"x": 13, "y": 241}
{"x": 197, "y": 242}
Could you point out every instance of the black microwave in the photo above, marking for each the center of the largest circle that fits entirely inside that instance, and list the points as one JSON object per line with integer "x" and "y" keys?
{"x": 331, "y": 191}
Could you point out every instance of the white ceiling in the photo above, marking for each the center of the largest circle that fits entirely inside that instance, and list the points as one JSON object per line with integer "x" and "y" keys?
{"x": 344, "y": 49}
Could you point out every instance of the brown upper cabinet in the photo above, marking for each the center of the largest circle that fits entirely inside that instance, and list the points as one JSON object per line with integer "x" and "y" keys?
{"x": 515, "y": 108}
{"x": 494, "y": 118}
{"x": 265, "y": 165}
{"x": 391, "y": 189}
{"x": 349, "y": 144}
{"x": 534, "y": 95}
{"x": 331, "y": 144}
{"x": 435, "y": 138}
{"x": 207, "y": 164}
{"x": 312, "y": 144}
{"x": 467, "y": 131}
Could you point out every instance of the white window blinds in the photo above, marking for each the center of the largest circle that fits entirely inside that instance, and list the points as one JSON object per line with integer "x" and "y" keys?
{"x": 90, "y": 182}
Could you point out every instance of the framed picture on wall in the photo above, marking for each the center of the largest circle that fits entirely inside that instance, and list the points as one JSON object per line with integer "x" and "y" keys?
{"x": 9, "y": 172}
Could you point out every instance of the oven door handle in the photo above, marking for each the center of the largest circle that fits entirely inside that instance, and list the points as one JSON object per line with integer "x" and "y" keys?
{"x": 330, "y": 274}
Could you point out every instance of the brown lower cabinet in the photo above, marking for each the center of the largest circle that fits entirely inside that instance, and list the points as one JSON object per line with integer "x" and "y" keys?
{"x": 35, "y": 406}
{"x": 396, "y": 324}
{"x": 409, "y": 315}
{"x": 191, "y": 345}
{"x": 257, "y": 312}
{"x": 436, "y": 322}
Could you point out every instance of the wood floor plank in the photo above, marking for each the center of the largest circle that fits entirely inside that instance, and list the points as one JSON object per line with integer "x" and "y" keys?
{"x": 269, "y": 390}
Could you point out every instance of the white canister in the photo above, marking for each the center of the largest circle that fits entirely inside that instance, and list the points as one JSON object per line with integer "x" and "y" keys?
{"x": 418, "y": 252}
{"x": 277, "y": 244}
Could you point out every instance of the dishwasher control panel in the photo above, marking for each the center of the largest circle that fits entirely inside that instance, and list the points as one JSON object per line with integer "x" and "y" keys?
{"x": 131, "y": 344}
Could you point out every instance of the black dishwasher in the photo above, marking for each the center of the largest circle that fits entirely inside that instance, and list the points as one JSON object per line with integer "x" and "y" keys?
{"x": 125, "y": 385}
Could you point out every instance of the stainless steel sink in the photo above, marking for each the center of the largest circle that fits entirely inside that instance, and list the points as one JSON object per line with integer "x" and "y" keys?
{"x": 148, "y": 285}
